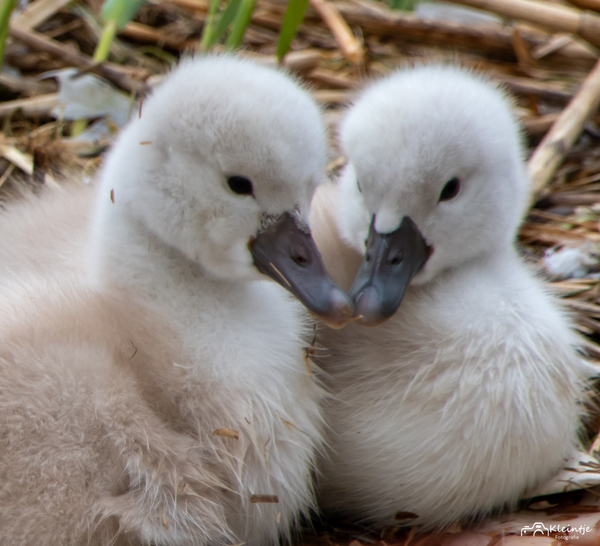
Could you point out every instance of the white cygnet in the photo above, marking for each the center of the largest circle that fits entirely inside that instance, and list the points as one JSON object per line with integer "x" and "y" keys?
{"x": 153, "y": 386}
{"x": 470, "y": 393}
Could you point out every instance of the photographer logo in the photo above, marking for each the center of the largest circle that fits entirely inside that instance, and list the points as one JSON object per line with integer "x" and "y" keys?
{"x": 537, "y": 527}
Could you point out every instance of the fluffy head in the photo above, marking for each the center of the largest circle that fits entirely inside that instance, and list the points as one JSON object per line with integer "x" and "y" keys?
{"x": 407, "y": 137}
{"x": 213, "y": 118}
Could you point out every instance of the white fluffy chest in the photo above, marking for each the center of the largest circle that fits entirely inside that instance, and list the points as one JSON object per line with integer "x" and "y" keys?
{"x": 240, "y": 390}
{"x": 248, "y": 392}
{"x": 462, "y": 415}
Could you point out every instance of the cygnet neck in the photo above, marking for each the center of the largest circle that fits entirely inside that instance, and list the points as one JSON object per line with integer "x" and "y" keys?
{"x": 500, "y": 258}
{"x": 130, "y": 258}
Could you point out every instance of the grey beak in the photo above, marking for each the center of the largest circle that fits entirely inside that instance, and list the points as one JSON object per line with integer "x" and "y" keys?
{"x": 391, "y": 261}
{"x": 287, "y": 253}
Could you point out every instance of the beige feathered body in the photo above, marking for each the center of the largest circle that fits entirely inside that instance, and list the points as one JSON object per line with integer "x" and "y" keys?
{"x": 44, "y": 236}
{"x": 105, "y": 428}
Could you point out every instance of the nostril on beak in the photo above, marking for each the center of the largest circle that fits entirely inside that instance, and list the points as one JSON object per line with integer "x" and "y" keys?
{"x": 299, "y": 260}
{"x": 299, "y": 256}
{"x": 395, "y": 258}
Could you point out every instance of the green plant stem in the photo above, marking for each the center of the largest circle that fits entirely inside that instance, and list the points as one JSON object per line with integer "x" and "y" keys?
{"x": 103, "y": 48}
{"x": 78, "y": 126}
{"x": 294, "y": 15}
{"x": 100, "y": 54}
{"x": 6, "y": 9}
{"x": 228, "y": 15}
{"x": 240, "y": 24}
{"x": 404, "y": 5}
{"x": 210, "y": 27}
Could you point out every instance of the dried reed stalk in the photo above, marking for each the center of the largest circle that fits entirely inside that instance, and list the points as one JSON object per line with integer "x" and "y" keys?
{"x": 17, "y": 157}
{"x": 196, "y": 5}
{"x": 586, "y": 4}
{"x": 31, "y": 107}
{"x": 70, "y": 56}
{"x": 37, "y": 12}
{"x": 351, "y": 47}
{"x": 296, "y": 61}
{"x": 556, "y": 144}
{"x": 553, "y": 16}
{"x": 377, "y": 20}
{"x": 142, "y": 32}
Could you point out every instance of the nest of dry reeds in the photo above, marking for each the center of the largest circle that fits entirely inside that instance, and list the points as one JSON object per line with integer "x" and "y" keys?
{"x": 544, "y": 52}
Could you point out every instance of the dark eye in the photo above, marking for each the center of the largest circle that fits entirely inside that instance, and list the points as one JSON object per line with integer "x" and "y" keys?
{"x": 239, "y": 185}
{"x": 450, "y": 190}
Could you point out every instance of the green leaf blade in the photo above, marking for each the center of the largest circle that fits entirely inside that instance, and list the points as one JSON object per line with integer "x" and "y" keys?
{"x": 6, "y": 9}
{"x": 404, "y": 5}
{"x": 294, "y": 15}
{"x": 226, "y": 19}
{"x": 240, "y": 24}
{"x": 120, "y": 11}
{"x": 207, "y": 40}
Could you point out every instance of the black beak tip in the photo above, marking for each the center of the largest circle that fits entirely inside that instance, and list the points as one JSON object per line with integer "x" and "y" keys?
{"x": 340, "y": 311}
{"x": 370, "y": 308}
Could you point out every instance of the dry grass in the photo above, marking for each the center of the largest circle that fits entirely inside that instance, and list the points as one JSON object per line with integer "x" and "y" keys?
{"x": 537, "y": 50}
